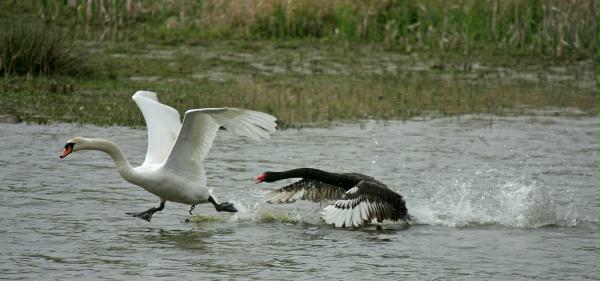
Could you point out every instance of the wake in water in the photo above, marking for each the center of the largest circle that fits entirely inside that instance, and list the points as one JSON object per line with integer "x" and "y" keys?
{"x": 521, "y": 206}
{"x": 511, "y": 204}
{"x": 253, "y": 209}
{"x": 262, "y": 213}
{"x": 482, "y": 201}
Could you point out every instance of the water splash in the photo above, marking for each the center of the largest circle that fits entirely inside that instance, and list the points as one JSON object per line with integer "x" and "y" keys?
{"x": 370, "y": 124}
{"x": 467, "y": 202}
{"x": 259, "y": 212}
{"x": 483, "y": 202}
{"x": 488, "y": 197}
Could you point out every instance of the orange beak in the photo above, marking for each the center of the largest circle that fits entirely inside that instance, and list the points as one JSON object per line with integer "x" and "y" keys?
{"x": 68, "y": 149}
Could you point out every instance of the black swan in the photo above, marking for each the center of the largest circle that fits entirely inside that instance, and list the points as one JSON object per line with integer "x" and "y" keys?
{"x": 360, "y": 199}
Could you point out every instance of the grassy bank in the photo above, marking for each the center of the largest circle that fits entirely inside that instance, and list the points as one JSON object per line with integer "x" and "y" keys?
{"x": 553, "y": 28}
{"x": 300, "y": 83}
{"x": 34, "y": 50}
{"x": 304, "y": 61}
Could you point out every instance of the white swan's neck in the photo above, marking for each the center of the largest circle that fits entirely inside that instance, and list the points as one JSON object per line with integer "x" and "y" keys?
{"x": 121, "y": 162}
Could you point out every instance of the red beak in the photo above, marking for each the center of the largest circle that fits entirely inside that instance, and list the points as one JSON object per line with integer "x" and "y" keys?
{"x": 259, "y": 179}
{"x": 66, "y": 151}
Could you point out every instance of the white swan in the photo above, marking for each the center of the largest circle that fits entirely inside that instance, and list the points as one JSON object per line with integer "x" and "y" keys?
{"x": 173, "y": 168}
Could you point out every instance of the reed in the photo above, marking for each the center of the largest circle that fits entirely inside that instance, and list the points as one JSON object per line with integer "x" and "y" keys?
{"x": 304, "y": 61}
{"x": 34, "y": 50}
{"x": 555, "y": 28}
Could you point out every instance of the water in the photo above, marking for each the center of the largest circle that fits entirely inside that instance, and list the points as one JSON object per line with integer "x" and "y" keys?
{"x": 499, "y": 198}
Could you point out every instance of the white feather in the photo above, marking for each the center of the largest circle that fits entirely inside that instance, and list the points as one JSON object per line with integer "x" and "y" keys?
{"x": 299, "y": 194}
{"x": 200, "y": 127}
{"x": 173, "y": 168}
{"x": 163, "y": 123}
{"x": 355, "y": 217}
{"x": 358, "y": 214}
{"x": 286, "y": 197}
{"x": 364, "y": 210}
{"x": 328, "y": 214}
{"x": 272, "y": 197}
{"x": 334, "y": 216}
{"x": 347, "y": 217}
{"x": 373, "y": 208}
{"x": 340, "y": 218}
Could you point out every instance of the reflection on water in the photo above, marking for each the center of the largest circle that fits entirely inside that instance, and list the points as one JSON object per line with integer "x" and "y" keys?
{"x": 191, "y": 240}
{"x": 512, "y": 198}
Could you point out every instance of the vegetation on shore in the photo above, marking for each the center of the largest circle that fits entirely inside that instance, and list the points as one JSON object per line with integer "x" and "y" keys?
{"x": 305, "y": 62}
{"x": 299, "y": 83}
{"x": 33, "y": 50}
{"x": 552, "y": 28}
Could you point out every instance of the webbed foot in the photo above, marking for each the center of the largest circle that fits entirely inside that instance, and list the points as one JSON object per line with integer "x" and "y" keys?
{"x": 145, "y": 215}
{"x": 225, "y": 207}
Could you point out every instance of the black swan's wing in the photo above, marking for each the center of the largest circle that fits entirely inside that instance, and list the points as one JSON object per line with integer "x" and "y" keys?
{"x": 364, "y": 203}
{"x": 305, "y": 189}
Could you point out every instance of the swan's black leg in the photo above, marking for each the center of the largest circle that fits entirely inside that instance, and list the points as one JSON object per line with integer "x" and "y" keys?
{"x": 223, "y": 207}
{"x": 191, "y": 209}
{"x": 147, "y": 215}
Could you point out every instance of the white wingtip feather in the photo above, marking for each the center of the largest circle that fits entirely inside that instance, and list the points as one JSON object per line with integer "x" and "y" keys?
{"x": 145, "y": 94}
{"x": 357, "y": 216}
{"x": 329, "y": 214}
{"x": 252, "y": 124}
{"x": 364, "y": 211}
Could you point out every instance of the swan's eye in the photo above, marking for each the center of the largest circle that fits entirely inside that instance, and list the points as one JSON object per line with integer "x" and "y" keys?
{"x": 70, "y": 145}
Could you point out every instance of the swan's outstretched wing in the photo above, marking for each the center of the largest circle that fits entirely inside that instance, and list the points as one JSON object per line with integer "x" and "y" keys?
{"x": 363, "y": 203}
{"x": 163, "y": 126}
{"x": 305, "y": 189}
{"x": 200, "y": 127}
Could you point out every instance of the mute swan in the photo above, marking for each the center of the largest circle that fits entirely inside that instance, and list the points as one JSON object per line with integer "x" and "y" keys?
{"x": 173, "y": 169}
{"x": 360, "y": 198}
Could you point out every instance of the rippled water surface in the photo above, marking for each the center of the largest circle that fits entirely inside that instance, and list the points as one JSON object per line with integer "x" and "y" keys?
{"x": 491, "y": 199}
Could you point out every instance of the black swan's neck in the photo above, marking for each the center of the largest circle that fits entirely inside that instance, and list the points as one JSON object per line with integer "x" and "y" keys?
{"x": 342, "y": 180}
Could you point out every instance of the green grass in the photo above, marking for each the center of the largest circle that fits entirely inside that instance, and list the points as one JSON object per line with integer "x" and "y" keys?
{"x": 34, "y": 50}
{"x": 555, "y": 28}
{"x": 300, "y": 83}
{"x": 307, "y": 62}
